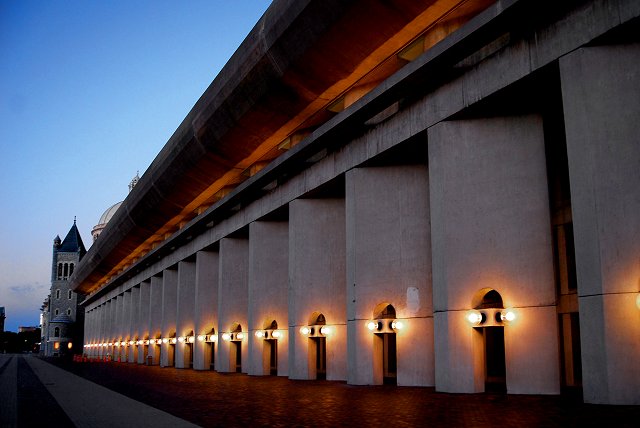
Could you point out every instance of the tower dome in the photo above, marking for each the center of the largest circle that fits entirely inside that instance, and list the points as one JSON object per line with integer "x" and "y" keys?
{"x": 111, "y": 211}
{"x": 104, "y": 219}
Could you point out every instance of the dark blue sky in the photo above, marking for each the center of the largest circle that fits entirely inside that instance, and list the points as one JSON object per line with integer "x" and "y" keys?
{"x": 90, "y": 91}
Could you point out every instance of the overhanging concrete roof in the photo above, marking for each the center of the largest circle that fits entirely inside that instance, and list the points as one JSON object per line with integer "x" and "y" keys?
{"x": 299, "y": 58}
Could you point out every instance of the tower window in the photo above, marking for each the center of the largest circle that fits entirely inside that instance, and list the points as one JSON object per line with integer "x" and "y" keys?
{"x": 66, "y": 271}
{"x": 59, "y": 270}
{"x": 57, "y": 293}
{"x": 70, "y": 269}
{"x": 68, "y": 311}
{"x": 56, "y": 332}
{"x": 57, "y": 311}
{"x": 70, "y": 293}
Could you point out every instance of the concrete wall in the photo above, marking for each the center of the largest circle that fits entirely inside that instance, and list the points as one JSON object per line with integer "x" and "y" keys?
{"x": 206, "y": 310}
{"x": 388, "y": 261}
{"x": 268, "y": 288}
{"x": 232, "y": 301}
{"x": 317, "y": 277}
{"x": 491, "y": 230}
{"x": 601, "y": 97}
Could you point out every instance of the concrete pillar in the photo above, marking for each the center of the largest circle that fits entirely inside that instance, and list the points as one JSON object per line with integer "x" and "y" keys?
{"x": 111, "y": 321}
{"x": 206, "y": 312}
{"x": 117, "y": 327}
{"x": 168, "y": 324}
{"x": 490, "y": 228}
{"x": 143, "y": 320}
{"x": 185, "y": 314}
{"x": 232, "y": 301}
{"x": 601, "y": 97}
{"x": 125, "y": 327}
{"x": 155, "y": 317}
{"x": 268, "y": 286}
{"x": 88, "y": 333}
{"x": 389, "y": 262}
{"x": 317, "y": 279}
{"x": 133, "y": 324}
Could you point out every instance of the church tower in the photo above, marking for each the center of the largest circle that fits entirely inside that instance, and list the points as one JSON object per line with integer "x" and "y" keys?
{"x": 63, "y": 319}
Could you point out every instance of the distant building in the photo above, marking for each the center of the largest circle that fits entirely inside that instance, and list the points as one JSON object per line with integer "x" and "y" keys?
{"x": 2, "y": 317}
{"x": 27, "y": 329}
{"x": 62, "y": 319}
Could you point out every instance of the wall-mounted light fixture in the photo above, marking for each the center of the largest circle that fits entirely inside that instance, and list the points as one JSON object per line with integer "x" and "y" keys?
{"x": 316, "y": 330}
{"x": 491, "y": 317}
{"x": 191, "y": 339}
{"x": 385, "y": 326}
{"x": 269, "y": 334}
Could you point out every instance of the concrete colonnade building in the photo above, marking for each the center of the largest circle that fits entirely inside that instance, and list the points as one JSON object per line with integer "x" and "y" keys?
{"x": 438, "y": 194}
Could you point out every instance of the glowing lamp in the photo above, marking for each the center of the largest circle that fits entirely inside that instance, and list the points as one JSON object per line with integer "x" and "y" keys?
{"x": 173, "y": 340}
{"x": 69, "y": 345}
{"x": 226, "y": 336}
{"x": 165, "y": 340}
{"x": 117, "y": 344}
{"x": 201, "y": 337}
{"x": 240, "y": 336}
{"x": 305, "y": 330}
{"x": 181, "y": 339}
{"x": 259, "y": 334}
{"x": 474, "y": 317}
{"x": 397, "y": 325}
{"x": 508, "y": 315}
{"x": 131, "y": 342}
{"x": 372, "y": 325}
{"x": 638, "y": 301}
{"x": 276, "y": 334}
{"x": 325, "y": 330}
{"x": 191, "y": 339}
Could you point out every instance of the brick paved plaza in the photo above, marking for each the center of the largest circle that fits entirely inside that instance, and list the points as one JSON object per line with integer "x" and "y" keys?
{"x": 236, "y": 400}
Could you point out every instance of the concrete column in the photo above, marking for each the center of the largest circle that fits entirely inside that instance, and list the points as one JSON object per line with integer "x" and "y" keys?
{"x": 317, "y": 279}
{"x": 206, "y": 300}
{"x": 185, "y": 314}
{"x": 155, "y": 317}
{"x": 389, "y": 262}
{"x": 491, "y": 231}
{"x": 133, "y": 323}
{"x": 117, "y": 327}
{"x": 232, "y": 301}
{"x": 169, "y": 307}
{"x": 125, "y": 327}
{"x": 601, "y": 97}
{"x": 268, "y": 286}
{"x": 88, "y": 332}
{"x": 143, "y": 319}
{"x": 109, "y": 351}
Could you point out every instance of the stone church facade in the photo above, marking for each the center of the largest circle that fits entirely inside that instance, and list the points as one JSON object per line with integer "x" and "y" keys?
{"x": 433, "y": 193}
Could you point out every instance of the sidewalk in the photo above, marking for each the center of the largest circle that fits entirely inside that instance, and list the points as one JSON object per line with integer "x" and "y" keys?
{"x": 85, "y": 403}
{"x": 212, "y": 399}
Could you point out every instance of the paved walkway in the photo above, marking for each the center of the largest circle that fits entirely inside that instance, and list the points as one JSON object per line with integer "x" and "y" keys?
{"x": 212, "y": 399}
{"x": 36, "y": 393}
